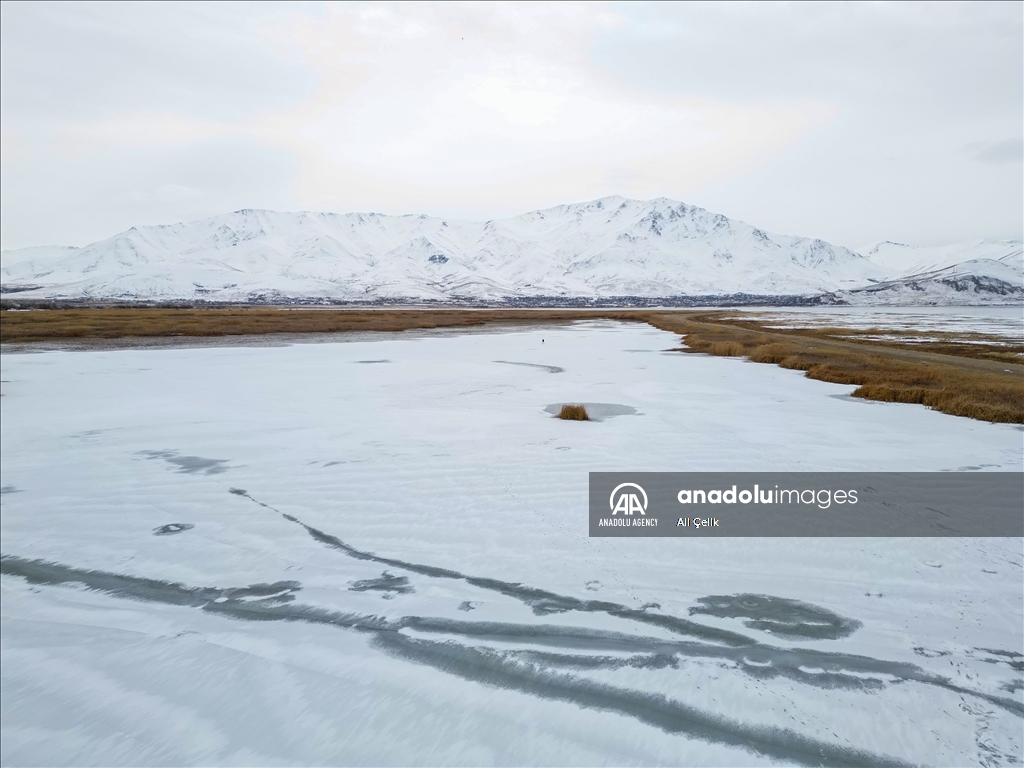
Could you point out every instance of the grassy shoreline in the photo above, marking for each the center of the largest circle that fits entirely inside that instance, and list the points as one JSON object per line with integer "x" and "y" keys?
{"x": 970, "y": 375}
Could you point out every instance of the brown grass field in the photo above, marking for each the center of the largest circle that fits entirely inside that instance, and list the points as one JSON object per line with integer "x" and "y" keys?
{"x": 119, "y": 323}
{"x": 953, "y": 378}
{"x": 964, "y": 375}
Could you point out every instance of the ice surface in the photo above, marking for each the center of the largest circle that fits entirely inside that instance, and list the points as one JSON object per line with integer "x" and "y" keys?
{"x": 1004, "y": 322}
{"x": 389, "y": 564}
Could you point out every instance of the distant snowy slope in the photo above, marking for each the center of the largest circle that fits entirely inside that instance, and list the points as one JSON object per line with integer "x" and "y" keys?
{"x": 604, "y": 248}
{"x": 40, "y": 252}
{"x": 978, "y": 281}
{"x": 900, "y": 260}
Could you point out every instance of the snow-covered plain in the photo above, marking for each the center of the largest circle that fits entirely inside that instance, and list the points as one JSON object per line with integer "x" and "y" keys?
{"x": 375, "y": 552}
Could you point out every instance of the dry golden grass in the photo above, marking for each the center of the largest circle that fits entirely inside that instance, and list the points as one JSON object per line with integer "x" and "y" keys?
{"x": 983, "y": 389}
{"x": 573, "y": 413}
{"x": 725, "y": 348}
{"x": 980, "y": 381}
{"x": 977, "y": 345}
{"x": 121, "y": 322}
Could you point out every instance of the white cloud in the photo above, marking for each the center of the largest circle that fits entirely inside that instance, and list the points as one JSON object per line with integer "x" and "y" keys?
{"x": 998, "y": 152}
{"x": 486, "y": 110}
{"x": 847, "y": 122}
{"x": 517, "y": 102}
{"x": 135, "y": 129}
{"x": 167, "y": 193}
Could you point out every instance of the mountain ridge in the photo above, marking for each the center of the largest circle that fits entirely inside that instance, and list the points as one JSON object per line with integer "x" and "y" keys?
{"x": 598, "y": 249}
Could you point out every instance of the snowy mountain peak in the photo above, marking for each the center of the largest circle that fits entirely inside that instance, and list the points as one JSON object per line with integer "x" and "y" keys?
{"x": 610, "y": 247}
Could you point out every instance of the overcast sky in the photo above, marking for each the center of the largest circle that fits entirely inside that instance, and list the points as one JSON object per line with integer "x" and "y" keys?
{"x": 850, "y": 122}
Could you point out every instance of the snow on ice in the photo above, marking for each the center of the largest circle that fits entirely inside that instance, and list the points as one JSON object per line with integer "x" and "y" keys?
{"x": 279, "y": 554}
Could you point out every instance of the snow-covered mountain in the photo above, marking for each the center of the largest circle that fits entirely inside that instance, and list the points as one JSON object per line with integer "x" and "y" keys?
{"x": 612, "y": 247}
{"x": 976, "y": 281}
{"x": 608, "y": 247}
{"x": 900, "y": 260}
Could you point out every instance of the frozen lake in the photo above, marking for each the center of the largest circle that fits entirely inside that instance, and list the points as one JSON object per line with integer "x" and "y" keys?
{"x": 1001, "y": 322}
{"x": 375, "y": 552}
